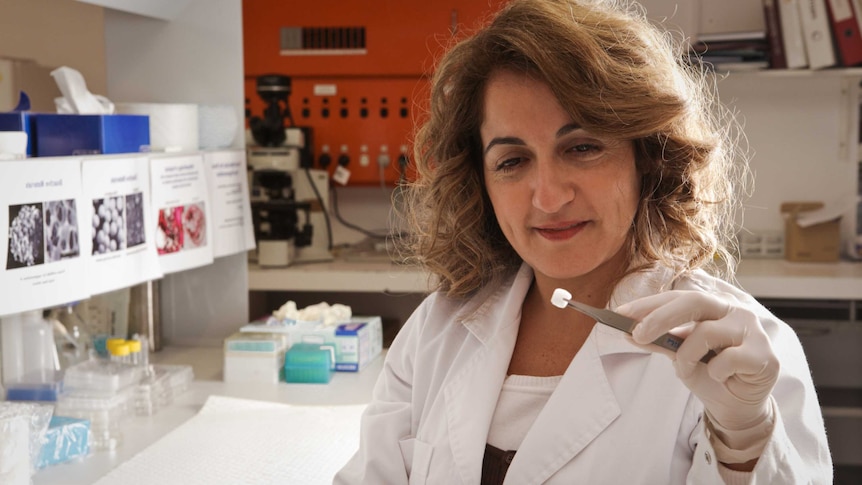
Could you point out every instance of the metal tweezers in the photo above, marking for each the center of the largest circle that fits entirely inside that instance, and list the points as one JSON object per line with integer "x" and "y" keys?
{"x": 626, "y": 324}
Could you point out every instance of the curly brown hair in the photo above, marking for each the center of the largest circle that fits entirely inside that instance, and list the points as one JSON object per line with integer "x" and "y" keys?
{"x": 617, "y": 75}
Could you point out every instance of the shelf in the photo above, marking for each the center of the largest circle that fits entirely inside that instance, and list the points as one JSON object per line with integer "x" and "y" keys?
{"x": 831, "y": 72}
{"x": 840, "y": 402}
{"x": 776, "y": 278}
{"x": 347, "y": 276}
{"x": 765, "y": 278}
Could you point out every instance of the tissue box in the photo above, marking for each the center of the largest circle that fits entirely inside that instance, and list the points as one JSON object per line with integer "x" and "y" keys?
{"x": 66, "y": 439}
{"x": 58, "y": 135}
{"x": 356, "y": 342}
{"x": 19, "y": 122}
{"x": 309, "y": 363}
{"x": 815, "y": 243}
{"x": 254, "y": 357}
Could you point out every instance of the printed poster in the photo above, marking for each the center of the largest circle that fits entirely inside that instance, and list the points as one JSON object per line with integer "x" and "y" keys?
{"x": 180, "y": 201}
{"x": 122, "y": 228}
{"x": 231, "y": 208}
{"x": 43, "y": 261}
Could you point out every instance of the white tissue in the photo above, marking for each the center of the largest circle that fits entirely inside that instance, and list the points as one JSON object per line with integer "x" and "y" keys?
{"x": 76, "y": 98}
{"x": 323, "y": 312}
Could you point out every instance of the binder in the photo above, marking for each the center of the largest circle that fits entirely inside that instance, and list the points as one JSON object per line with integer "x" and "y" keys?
{"x": 791, "y": 33}
{"x": 817, "y": 32}
{"x": 777, "y": 56}
{"x": 845, "y": 30}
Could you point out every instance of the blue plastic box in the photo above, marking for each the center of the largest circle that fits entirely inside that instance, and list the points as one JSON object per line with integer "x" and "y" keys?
{"x": 19, "y": 121}
{"x": 309, "y": 363}
{"x": 59, "y": 135}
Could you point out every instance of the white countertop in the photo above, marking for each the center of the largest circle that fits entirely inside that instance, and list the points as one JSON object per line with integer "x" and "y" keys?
{"x": 141, "y": 431}
{"x": 338, "y": 275}
{"x": 777, "y": 278}
{"x": 763, "y": 278}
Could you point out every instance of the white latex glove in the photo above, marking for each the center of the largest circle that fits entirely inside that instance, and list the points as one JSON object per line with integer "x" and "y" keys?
{"x": 735, "y": 386}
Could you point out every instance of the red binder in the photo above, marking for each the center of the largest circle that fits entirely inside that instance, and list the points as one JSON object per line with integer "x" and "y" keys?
{"x": 844, "y": 19}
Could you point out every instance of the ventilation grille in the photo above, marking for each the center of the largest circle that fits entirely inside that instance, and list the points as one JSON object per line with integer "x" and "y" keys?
{"x": 322, "y": 41}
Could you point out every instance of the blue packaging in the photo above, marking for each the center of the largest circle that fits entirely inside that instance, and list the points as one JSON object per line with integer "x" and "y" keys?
{"x": 59, "y": 135}
{"x": 309, "y": 363}
{"x": 19, "y": 121}
{"x": 66, "y": 439}
{"x": 34, "y": 391}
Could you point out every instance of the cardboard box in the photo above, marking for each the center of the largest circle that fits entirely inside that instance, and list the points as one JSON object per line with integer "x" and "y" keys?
{"x": 59, "y": 135}
{"x": 810, "y": 233}
{"x": 26, "y": 75}
{"x": 356, "y": 342}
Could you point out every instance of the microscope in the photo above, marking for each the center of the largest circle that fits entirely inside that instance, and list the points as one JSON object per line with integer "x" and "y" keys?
{"x": 283, "y": 185}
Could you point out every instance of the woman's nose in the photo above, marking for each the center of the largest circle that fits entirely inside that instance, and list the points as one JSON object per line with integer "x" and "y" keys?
{"x": 551, "y": 189}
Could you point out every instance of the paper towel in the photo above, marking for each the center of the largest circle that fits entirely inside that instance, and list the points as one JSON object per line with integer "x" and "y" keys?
{"x": 13, "y": 145}
{"x": 250, "y": 442}
{"x": 217, "y": 126}
{"x": 173, "y": 126}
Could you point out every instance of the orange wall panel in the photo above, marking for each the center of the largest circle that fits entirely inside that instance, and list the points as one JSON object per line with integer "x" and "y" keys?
{"x": 402, "y": 36}
{"x": 358, "y": 104}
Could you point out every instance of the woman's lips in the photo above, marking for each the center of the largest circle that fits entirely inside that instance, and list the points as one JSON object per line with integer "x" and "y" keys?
{"x": 562, "y": 231}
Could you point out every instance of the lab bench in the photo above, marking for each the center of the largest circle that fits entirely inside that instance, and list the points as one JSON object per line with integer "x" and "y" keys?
{"x": 139, "y": 432}
{"x": 763, "y": 278}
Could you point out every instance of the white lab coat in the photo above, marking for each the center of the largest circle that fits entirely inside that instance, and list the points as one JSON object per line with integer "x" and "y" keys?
{"x": 619, "y": 414}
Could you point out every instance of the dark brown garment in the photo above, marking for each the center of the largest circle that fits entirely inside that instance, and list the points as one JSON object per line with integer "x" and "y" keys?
{"x": 495, "y": 465}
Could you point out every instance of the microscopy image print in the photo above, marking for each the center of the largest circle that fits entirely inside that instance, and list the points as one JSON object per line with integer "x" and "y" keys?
{"x": 61, "y": 230}
{"x": 169, "y": 233}
{"x": 135, "y": 233}
{"x": 109, "y": 225}
{"x": 26, "y": 236}
{"x": 194, "y": 222}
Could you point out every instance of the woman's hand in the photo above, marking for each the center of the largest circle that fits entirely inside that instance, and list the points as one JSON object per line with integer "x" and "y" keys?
{"x": 735, "y": 386}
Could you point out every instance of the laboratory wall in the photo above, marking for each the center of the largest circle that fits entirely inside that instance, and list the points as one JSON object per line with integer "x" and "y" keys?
{"x": 145, "y": 64}
{"x": 56, "y": 33}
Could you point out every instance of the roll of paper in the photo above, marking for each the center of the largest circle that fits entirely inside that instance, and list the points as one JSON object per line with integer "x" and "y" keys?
{"x": 13, "y": 145}
{"x": 218, "y": 125}
{"x": 173, "y": 127}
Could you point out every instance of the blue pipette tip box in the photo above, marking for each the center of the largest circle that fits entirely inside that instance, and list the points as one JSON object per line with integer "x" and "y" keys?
{"x": 309, "y": 363}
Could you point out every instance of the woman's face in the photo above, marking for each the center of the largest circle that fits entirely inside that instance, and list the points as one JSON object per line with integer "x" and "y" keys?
{"x": 564, "y": 198}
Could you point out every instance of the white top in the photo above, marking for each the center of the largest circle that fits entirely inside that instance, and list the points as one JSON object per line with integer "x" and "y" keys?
{"x": 521, "y": 400}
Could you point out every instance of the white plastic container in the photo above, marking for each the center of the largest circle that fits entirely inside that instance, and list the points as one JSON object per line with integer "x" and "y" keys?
{"x": 28, "y": 347}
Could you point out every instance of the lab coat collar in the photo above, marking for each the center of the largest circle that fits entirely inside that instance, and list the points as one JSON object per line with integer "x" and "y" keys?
{"x": 482, "y": 314}
{"x": 471, "y": 396}
{"x": 584, "y": 403}
{"x": 560, "y": 433}
{"x": 581, "y": 408}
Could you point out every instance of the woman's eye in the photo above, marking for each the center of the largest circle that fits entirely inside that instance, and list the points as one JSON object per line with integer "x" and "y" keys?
{"x": 509, "y": 164}
{"x": 586, "y": 151}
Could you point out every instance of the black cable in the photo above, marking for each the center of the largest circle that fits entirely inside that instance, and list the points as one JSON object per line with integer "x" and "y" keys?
{"x": 323, "y": 207}
{"x": 368, "y": 233}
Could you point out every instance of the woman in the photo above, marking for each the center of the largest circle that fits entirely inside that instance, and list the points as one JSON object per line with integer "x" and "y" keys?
{"x": 569, "y": 146}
